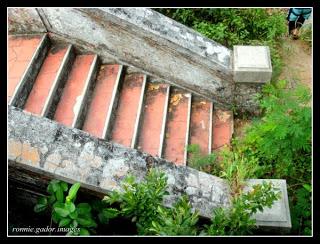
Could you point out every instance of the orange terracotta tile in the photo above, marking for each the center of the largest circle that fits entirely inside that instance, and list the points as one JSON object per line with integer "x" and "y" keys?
{"x": 97, "y": 113}
{"x": 149, "y": 140}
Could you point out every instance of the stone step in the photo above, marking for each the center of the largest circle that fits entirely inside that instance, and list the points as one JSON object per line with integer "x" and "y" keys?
{"x": 25, "y": 56}
{"x": 75, "y": 94}
{"x": 119, "y": 105}
{"x": 222, "y": 128}
{"x": 201, "y": 124}
{"x": 154, "y": 118}
{"x": 47, "y": 80}
{"x": 129, "y": 107}
{"x": 104, "y": 95}
{"x": 177, "y": 127}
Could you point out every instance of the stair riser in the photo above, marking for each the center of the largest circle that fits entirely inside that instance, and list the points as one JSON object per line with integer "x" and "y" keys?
{"x": 87, "y": 94}
{"x": 137, "y": 126}
{"x": 114, "y": 104}
{"x": 164, "y": 120}
{"x": 27, "y": 80}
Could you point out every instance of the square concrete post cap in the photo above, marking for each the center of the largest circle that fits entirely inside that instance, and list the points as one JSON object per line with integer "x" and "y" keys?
{"x": 252, "y": 64}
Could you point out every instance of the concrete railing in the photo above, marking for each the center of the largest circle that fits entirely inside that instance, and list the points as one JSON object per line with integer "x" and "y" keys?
{"x": 159, "y": 46}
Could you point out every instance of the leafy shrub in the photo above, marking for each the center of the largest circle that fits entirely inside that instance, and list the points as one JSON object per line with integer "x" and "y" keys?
{"x": 176, "y": 221}
{"x": 199, "y": 161}
{"x": 64, "y": 211}
{"x": 236, "y": 168}
{"x": 140, "y": 201}
{"x": 301, "y": 212}
{"x": 281, "y": 141}
{"x": 231, "y": 26}
{"x": 282, "y": 138}
{"x": 238, "y": 219}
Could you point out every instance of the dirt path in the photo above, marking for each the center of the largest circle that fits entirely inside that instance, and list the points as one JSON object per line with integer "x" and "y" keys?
{"x": 297, "y": 63}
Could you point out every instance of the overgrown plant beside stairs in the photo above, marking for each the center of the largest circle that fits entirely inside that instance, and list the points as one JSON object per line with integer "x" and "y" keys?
{"x": 142, "y": 203}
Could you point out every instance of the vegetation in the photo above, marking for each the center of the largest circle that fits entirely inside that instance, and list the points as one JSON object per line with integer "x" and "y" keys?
{"x": 142, "y": 203}
{"x": 237, "y": 220}
{"x": 64, "y": 212}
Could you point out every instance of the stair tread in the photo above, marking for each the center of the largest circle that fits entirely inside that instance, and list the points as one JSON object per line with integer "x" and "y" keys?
{"x": 97, "y": 113}
{"x": 126, "y": 113}
{"x": 20, "y": 52}
{"x": 200, "y": 124}
{"x": 222, "y": 128}
{"x": 73, "y": 90}
{"x": 176, "y": 128}
{"x": 45, "y": 80}
{"x": 151, "y": 125}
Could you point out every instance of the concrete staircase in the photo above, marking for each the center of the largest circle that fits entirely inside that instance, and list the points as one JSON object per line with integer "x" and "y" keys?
{"x": 111, "y": 101}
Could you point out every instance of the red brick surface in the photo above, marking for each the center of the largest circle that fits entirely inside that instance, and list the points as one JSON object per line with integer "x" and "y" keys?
{"x": 175, "y": 137}
{"x": 44, "y": 81}
{"x": 97, "y": 112}
{"x": 200, "y": 125}
{"x": 20, "y": 52}
{"x": 71, "y": 95}
{"x": 149, "y": 140}
{"x": 123, "y": 127}
{"x": 222, "y": 128}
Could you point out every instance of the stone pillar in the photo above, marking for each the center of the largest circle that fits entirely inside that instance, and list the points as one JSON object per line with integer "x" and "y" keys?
{"x": 251, "y": 70}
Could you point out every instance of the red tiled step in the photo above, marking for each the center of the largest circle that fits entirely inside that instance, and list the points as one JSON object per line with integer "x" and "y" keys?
{"x": 200, "y": 125}
{"x": 72, "y": 95}
{"x": 96, "y": 118}
{"x": 222, "y": 128}
{"x": 45, "y": 80}
{"x": 153, "y": 118}
{"x": 177, "y": 127}
{"x": 20, "y": 52}
{"x": 126, "y": 115}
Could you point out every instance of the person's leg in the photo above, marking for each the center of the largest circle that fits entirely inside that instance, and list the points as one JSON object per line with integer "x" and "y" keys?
{"x": 292, "y": 17}
{"x": 300, "y": 21}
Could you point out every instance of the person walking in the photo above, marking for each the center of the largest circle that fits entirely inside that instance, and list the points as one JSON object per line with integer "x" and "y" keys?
{"x": 296, "y": 18}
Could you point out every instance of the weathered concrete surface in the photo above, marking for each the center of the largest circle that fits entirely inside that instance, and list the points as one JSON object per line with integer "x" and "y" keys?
{"x": 51, "y": 149}
{"x": 155, "y": 45}
{"x": 252, "y": 64}
{"x": 150, "y": 41}
{"x": 245, "y": 97}
{"x": 24, "y": 20}
{"x": 278, "y": 216}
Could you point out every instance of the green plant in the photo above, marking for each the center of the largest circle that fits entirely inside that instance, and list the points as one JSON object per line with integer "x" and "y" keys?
{"x": 281, "y": 139}
{"x": 301, "y": 212}
{"x": 140, "y": 201}
{"x": 238, "y": 219}
{"x": 179, "y": 220}
{"x": 199, "y": 161}
{"x": 306, "y": 34}
{"x": 236, "y": 168}
{"x": 64, "y": 211}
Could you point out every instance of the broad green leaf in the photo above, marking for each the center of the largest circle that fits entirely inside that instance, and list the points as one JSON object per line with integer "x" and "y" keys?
{"x": 86, "y": 222}
{"x": 64, "y": 186}
{"x": 85, "y": 207}
{"x": 61, "y": 209}
{"x": 63, "y": 222}
{"x": 73, "y": 191}
{"x": 39, "y": 208}
{"x": 59, "y": 194}
{"x": 73, "y": 215}
{"x": 70, "y": 206}
{"x": 74, "y": 224}
{"x": 84, "y": 232}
